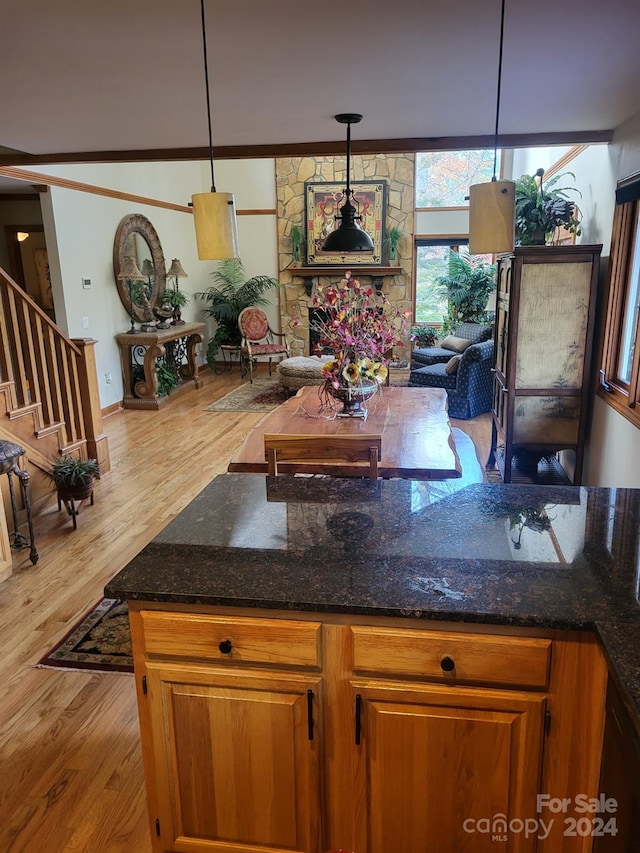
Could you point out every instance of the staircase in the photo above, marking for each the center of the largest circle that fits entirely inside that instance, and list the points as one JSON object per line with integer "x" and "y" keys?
{"x": 49, "y": 401}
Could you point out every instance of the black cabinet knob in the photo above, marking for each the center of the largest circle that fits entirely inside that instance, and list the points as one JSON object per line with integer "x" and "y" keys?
{"x": 448, "y": 664}
{"x": 225, "y": 647}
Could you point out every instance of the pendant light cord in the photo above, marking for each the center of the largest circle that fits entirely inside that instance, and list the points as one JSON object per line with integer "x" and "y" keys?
{"x": 206, "y": 82}
{"x": 495, "y": 135}
{"x": 348, "y": 159}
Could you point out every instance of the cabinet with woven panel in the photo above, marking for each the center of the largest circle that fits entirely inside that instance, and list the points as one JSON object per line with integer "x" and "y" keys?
{"x": 545, "y": 312}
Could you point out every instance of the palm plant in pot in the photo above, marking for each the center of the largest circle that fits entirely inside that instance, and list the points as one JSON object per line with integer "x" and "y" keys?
{"x": 541, "y": 207}
{"x": 466, "y": 286}
{"x": 227, "y": 297}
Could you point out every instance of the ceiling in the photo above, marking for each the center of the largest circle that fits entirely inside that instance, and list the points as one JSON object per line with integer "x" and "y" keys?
{"x": 127, "y": 75}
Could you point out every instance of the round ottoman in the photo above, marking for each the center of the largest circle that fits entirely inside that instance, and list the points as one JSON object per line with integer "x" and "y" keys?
{"x": 301, "y": 370}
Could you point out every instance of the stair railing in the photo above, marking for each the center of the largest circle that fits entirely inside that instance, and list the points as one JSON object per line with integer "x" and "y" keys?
{"x": 51, "y": 372}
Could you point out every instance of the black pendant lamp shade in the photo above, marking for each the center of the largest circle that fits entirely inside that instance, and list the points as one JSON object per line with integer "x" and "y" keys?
{"x": 348, "y": 237}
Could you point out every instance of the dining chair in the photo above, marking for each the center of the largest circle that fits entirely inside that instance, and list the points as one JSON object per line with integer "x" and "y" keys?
{"x": 258, "y": 339}
{"x": 306, "y": 452}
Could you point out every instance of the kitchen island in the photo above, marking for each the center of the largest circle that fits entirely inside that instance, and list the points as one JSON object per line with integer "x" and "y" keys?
{"x": 326, "y": 663}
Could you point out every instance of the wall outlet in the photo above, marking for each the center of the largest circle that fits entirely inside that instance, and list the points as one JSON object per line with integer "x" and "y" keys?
{"x": 85, "y": 322}
{"x": 108, "y": 378}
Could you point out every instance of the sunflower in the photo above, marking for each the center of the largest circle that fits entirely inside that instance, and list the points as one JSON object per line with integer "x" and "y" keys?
{"x": 379, "y": 373}
{"x": 351, "y": 372}
{"x": 366, "y": 367}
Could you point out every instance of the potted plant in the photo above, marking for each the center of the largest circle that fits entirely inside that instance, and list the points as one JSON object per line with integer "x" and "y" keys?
{"x": 541, "y": 207}
{"x": 296, "y": 242}
{"x": 226, "y": 298}
{"x": 467, "y": 287}
{"x": 73, "y": 479}
{"x": 177, "y": 299}
{"x": 393, "y": 238}
{"x": 423, "y": 336}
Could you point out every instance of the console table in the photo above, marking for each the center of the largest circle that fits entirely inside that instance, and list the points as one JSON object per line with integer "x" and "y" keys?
{"x": 143, "y": 349}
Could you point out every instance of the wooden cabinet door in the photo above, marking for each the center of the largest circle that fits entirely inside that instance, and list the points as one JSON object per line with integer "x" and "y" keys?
{"x": 439, "y": 767}
{"x": 236, "y": 756}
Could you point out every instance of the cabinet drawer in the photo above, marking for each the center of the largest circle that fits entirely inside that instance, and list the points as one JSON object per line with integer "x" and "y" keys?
{"x": 273, "y": 642}
{"x": 461, "y": 658}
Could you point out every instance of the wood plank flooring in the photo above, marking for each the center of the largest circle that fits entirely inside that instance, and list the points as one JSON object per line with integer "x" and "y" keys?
{"x": 70, "y": 766}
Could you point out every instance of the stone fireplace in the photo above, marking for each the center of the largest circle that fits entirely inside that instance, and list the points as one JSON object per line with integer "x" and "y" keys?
{"x": 299, "y": 281}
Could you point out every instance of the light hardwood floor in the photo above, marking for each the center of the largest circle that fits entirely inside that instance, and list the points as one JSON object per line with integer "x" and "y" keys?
{"x": 70, "y": 766}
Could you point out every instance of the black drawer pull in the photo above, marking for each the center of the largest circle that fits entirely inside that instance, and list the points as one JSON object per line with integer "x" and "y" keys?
{"x": 225, "y": 647}
{"x": 448, "y": 664}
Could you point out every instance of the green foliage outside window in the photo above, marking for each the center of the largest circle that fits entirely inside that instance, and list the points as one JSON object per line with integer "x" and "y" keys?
{"x": 443, "y": 178}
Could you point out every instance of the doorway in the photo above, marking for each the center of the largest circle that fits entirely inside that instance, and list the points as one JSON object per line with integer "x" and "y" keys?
{"x": 29, "y": 263}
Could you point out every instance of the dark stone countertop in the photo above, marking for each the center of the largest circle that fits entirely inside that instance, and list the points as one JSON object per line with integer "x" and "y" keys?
{"x": 539, "y": 556}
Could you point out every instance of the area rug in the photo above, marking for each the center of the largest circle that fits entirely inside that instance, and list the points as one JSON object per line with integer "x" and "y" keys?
{"x": 100, "y": 641}
{"x": 263, "y": 395}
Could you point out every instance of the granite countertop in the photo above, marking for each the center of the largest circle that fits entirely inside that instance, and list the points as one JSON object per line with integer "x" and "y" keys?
{"x": 539, "y": 556}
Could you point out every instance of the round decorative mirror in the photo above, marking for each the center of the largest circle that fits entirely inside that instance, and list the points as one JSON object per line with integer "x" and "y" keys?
{"x": 136, "y": 238}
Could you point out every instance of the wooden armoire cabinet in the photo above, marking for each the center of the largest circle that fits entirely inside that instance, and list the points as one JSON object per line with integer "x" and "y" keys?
{"x": 545, "y": 311}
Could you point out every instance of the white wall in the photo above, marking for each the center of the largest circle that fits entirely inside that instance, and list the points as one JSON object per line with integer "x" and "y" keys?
{"x": 613, "y": 447}
{"x": 81, "y": 229}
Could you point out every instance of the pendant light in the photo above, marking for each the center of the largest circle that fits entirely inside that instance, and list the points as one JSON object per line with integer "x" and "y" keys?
{"x": 348, "y": 237}
{"x": 214, "y": 213}
{"x": 492, "y": 206}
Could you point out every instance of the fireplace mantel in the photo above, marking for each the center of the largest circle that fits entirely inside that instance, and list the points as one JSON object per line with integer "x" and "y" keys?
{"x": 336, "y": 270}
{"x": 376, "y": 272}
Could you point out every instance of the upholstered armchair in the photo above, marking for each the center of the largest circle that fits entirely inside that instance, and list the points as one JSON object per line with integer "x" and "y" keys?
{"x": 473, "y": 332}
{"x": 258, "y": 339}
{"x": 467, "y": 378}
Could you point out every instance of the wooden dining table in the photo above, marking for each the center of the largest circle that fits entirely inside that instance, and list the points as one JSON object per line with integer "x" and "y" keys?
{"x": 417, "y": 442}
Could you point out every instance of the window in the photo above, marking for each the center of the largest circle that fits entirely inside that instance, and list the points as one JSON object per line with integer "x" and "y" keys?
{"x": 620, "y": 368}
{"x": 432, "y": 262}
{"x": 443, "y": 178}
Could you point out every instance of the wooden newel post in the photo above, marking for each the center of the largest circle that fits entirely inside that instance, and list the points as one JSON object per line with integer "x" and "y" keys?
{"x": 97, "y": 442}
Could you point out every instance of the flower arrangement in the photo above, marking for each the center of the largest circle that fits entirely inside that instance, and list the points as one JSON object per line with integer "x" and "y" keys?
{"x": 360, "y": 331}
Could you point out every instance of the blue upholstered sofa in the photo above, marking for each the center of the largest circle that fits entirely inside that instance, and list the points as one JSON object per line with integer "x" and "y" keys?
{"x": 474, "y": 332}
{"x": 470, "y": 388}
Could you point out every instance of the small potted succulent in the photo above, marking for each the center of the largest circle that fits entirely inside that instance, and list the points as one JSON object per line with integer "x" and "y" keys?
{"x": 393, "y": 238}
{"x": 296, "y": 242}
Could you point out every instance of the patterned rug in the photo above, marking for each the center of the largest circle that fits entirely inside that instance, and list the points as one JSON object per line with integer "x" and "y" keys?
{"x": 264, "y": 395}
{"x": 100, "y": 641}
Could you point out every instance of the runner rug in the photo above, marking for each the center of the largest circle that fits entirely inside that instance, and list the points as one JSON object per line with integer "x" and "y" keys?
{"x": 263, "y": 395}
{"x": 101, "y": 641}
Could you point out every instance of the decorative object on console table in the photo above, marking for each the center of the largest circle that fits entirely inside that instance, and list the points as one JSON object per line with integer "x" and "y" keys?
{"x": 173, "y": 295}
{"x": 129, "y": 272}
{"x": 74, "y": 481}
{"x": 9, "y": 455}
{"x": 361, "y": 334}
{"x": 545, "y": 316}
{"x": 147, "y": 270}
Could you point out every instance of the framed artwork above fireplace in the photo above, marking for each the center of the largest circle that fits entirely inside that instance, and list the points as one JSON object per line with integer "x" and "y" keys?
{"x": 322, "y": 205}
